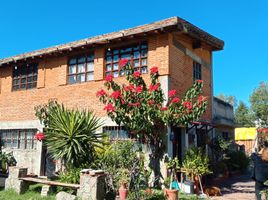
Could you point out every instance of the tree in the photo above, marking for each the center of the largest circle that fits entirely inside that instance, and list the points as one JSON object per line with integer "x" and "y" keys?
{"x": 228, "y": 98}
{"x": 259, "y": 104}
{"x": 243, "y": 116}
{"x": 70, "y": 134}
{"x": 142, "y": 111}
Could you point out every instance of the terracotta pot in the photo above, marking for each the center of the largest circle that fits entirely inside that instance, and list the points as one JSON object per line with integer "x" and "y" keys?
{"x": 196, "y": 185}
{"x": 123, "y": 192}
{"x": 171, "y": 194}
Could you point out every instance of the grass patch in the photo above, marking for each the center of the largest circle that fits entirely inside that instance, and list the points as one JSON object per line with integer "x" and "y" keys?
{"x": 32, "y": 194}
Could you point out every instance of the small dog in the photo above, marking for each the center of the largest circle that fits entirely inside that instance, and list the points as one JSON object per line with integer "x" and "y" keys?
{"x": 213, "y": 191}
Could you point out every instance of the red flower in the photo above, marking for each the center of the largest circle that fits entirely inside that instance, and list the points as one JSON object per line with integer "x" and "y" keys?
{"x": 116, "y": 94}
{"x": 202, "y": 99}
{"x": 128, "y": 88}
{"x": 137, "y": 74}
{"x": 175, "y": 100}
{"x": 109, "y": 107}
{"x": 138, "y": 89}
{"x": 199, "y": 81}
{"x": 39, "y": 136}
{"x": 101, "y": 93}
{"x": 154, "y": 87}
{"x": 151, "y": 102}
{"x": 109, "y": 77}
{"x": 187, "y": 104}
{"x": 171, "y": 93}
{"x": 122, "y": 101}
{"x": 134, "y": 104}
{"x": 123, "y": 62}
{"x": 164, "y": 108}
{"x": 154, "y": 70}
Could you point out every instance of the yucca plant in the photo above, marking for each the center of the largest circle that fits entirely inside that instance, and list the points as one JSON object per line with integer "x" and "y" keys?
{"x": 70, "y": 134}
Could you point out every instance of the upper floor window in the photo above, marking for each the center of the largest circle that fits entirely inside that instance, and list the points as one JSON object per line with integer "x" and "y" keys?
{"x": 81, "y": 69}
{"x": 24, "y": 77}
{"x": 197, "y": 71}
{"x": 18, "y": 138}
{"x": 137, "y": 54}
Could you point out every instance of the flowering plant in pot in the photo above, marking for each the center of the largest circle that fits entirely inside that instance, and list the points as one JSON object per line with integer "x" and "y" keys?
{"x": 123, "y": 184}
{"x": 140, "y": 105}
{"x": 196, "y": 164}
{"x": 171, "y": 190}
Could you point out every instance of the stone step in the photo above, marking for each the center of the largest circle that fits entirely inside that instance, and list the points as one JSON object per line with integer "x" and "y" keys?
{"x": 46, "y": 189}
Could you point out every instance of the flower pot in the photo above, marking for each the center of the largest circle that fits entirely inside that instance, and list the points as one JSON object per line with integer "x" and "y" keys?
{"x": 171, "y": 194}
{"x": 123, "y": 192}
{"x": 196, "y": 185}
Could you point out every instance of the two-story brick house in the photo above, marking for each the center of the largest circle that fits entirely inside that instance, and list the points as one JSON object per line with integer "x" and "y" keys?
{"x": 72, "y": 73}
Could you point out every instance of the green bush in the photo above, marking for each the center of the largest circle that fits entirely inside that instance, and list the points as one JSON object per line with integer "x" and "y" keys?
{"x": 6, "y": 160}
{"x": 196, "y": 162}
{"x": 238, "y": 160}
{"x": 70, "y": 134}
{"x": 123, "y": 160}
{"x": 71, "y": 176}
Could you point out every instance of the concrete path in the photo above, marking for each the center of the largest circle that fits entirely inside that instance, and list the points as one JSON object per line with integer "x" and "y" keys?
{"x": 236, "y": 188}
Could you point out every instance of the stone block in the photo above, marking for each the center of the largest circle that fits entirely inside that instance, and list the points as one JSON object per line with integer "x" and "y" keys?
{"x": 17, "y": 172}
{"x": 65, "y": 196}
{"x": 46, "y": 189}
{"x": 92, "y": 187}
{"x": 18, "y": 185}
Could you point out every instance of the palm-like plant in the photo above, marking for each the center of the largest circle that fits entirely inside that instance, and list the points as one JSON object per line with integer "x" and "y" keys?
{"x": 71, "y": 134}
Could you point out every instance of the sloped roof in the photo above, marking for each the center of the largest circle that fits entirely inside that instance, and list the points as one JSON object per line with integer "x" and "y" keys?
{"x": 174, "y": 24}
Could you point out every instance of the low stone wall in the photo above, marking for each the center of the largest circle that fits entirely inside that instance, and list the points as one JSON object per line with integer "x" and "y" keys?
{"x": 92, "y": 183}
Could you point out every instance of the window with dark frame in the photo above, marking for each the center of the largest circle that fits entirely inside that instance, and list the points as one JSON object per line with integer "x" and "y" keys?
{"x": 25, "y": 76}
{"x": 81, "y": 69}
{"x": 136, "y": 54}
{"x": 18, "y": 138}
{"x": 116, "y": 132}
{"x": 197, "y": 71}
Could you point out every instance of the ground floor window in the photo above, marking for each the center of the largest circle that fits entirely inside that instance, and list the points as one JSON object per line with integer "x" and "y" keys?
{"x": 116, "y": 132}
{"x": 18, "y": 138}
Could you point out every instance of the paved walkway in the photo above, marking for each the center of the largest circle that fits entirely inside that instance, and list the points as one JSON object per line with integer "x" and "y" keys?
{"x": 236, "y": 188}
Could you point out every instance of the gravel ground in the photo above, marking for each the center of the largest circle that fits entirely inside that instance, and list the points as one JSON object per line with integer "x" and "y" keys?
{"x": 237, "y": 188}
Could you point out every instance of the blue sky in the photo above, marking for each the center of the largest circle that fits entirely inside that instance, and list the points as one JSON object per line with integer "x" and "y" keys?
{"x": 243, "y": 25}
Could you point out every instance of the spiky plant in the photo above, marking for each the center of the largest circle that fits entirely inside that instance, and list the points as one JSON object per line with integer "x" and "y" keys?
{"x": 71, "y": 134}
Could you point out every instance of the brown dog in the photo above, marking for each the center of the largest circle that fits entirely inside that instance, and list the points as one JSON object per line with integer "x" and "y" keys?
{"x": 213, "y": 191}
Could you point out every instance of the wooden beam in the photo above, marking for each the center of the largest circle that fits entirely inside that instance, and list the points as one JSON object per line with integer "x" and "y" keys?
{"x": 46, "y": 182}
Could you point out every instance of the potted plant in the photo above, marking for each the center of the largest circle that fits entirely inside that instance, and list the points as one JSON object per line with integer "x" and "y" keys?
{"x": 123, "y": 184}
{"x": 171, "y": 189}
{"x": 195, "y": 165}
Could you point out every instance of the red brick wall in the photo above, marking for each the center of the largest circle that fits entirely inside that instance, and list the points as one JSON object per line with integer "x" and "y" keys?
{"x": 52, "y": 73}
{"x": 52, "y": 78}
{"x": 181, "y": 69}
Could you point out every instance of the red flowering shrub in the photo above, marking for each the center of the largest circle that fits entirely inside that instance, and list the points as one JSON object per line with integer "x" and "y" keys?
{"x": 123, "y": 62}
{"x": 154, "y": 70}
{"x": 172, "y": 93}
{"x": 109, "y": 78}
{"x": 137, "y": 74}
{"x": 109, "y": 108}
{"x": 143, "y": 109}
{"x": 116, "y": 94}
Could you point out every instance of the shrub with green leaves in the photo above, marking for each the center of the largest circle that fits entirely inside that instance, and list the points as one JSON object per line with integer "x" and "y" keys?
{"x": 70, "y": 134}
{"x": 196, "y": 162}
{"x": 238, "y": 161}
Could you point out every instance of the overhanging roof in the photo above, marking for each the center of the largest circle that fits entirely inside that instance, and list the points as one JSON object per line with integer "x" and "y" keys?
{"x": 170, "y": 24}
